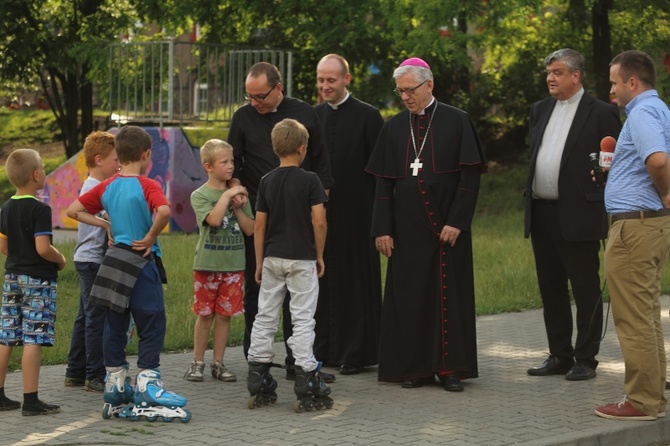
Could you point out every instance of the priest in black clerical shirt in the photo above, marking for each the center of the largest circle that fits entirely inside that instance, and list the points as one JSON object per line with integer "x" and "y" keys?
{"x": 249, "y": 135}
{"x": 350, "y": 291}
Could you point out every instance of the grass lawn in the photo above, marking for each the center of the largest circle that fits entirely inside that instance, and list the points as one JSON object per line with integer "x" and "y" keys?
{"x": 504, "y": 269}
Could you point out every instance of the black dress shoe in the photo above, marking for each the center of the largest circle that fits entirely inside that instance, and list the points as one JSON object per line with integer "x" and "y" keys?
{"x": 290, "y": 372}
{"x": 327, "y": 377}
{"x": 419, "y": 382}
{"x": 580, "y": 372}
{"x": 451, "y": 383}
{"x": 552, "y": 366}
{"x": 346, "y": 369}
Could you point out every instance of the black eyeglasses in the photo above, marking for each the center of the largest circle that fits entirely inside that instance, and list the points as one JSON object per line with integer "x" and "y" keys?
{"x": 258, "y": 97}
{"x": 408, "y": 91}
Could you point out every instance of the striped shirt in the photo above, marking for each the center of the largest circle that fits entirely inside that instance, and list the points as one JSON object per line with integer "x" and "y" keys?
{"x": 645, "y": 132}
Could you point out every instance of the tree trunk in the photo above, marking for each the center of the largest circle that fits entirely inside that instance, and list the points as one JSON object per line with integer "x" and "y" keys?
{"x": 463, "y": 72}
{"x": 68, "y": 93}
{"x": 602, "y": 49}
{"x": 86, "y": 98}
{"x": 71, "y": 98}
{"x": 52, "y": 92}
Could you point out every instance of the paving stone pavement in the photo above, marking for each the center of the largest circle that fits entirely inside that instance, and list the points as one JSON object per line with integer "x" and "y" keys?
{"x": 504, "y": 406}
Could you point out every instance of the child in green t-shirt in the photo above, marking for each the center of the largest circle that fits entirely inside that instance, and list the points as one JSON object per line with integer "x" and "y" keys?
{"x": 218, "y": 267}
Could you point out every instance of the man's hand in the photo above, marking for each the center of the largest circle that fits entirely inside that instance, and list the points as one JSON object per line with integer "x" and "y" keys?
{"x": 384, "y": 244}
{"x": 449, "y": 234}
{"x": 658, "y": 166}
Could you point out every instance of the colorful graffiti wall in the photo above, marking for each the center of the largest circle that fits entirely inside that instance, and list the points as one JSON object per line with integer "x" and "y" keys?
{"x": 175, "y": 164}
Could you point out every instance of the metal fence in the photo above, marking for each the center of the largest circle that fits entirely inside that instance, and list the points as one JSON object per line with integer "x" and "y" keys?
{"x": 174, "y": 83}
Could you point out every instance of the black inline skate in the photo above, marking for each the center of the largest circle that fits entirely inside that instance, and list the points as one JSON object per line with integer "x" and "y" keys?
{"x": 311, "y": 390}
{"x": 261, "y": 385}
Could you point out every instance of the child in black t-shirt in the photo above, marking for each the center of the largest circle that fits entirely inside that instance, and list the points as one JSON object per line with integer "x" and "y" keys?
{"x": 28, "y": 315}
{"x": 289, "y": 238}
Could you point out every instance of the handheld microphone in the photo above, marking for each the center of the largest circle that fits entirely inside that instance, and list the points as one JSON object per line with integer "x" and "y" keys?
{"x": 600, "y": 176}
{"x": 607, "y": 145}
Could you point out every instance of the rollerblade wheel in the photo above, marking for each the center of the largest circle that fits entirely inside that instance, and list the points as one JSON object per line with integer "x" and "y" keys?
{"x": 251, "y": 402}
{"x": 152, "y": 419}
{"x": 168, "y": 419}
{"x": 298, "y": 407}
{"x": 187, "y": 418}
{"x": 329, "y": 403}
{"x": 105, "y": 412}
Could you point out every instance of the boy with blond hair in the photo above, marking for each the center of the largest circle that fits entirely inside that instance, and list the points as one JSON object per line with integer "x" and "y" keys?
{"x": 218, "y": 266}
{"x": 289, "y": 238}
{"x": 85, "y": 365}
{"x": 28, "y": 315}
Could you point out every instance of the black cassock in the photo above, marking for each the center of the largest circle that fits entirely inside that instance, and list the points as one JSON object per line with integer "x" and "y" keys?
{"x": 349, "y": 310}
{"x": 428, "y": 315}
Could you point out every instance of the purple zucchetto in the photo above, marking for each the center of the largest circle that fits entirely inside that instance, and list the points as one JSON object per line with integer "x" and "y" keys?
{"x": 414, "y": 62}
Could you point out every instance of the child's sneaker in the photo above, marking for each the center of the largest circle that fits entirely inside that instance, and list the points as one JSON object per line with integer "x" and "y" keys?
{"x": 7, "y": 404}
{"x": 94, "y": 385}
{"x": 194, "y": 372}
{"x": 74, "y": 382}
{"x": 39, "y": 408}
{"x": 220, "y": 372}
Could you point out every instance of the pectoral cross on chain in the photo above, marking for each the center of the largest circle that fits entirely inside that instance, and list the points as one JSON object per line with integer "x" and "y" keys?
{"x": 416, "y": 165}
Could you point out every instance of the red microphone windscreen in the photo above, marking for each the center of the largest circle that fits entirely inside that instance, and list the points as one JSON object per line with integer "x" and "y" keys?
{"x": 607, "y": 144}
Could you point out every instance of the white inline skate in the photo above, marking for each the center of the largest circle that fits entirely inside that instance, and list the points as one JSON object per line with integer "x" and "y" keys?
{"x": 118, "y": 393}
{"x": 151, "y": 400}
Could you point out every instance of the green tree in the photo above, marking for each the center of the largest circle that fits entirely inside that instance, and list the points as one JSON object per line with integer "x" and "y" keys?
{"x": 310, "y": 28}
{"x": 486, "y": 55}
{"x": 614, "y": 26}
{"x": 60, "y": 42}
{"x": 517, "y": 40}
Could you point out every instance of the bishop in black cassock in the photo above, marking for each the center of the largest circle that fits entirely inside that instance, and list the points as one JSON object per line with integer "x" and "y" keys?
{"x": 428, "y": 161}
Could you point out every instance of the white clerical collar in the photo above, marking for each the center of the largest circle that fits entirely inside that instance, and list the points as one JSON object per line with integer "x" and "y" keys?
{"x": 574, "y": 98}
{"x": 277, "y": 107}
{"x": 334, "y": 106}
{"x": 423, "y": 112}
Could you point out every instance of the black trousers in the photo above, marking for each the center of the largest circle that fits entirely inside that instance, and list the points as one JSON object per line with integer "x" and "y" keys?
{"x": 559, "y": 262}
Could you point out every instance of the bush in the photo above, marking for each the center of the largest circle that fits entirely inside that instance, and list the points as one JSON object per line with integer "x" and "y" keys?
{"x": 27, "y": 127}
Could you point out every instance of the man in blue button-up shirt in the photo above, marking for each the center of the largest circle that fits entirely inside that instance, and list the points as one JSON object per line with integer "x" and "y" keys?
{"x": 637, "y": 198}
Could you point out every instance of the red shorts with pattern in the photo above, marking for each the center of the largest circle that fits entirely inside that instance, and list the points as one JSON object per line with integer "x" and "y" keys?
{"x": 218, "y": 292}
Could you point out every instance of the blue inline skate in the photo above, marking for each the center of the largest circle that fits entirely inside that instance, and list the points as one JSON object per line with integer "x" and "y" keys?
{"x": 151, "y": 400}
{"x": 118, "y": 393}
{"x": 311, "y": 390}
{"x": 261, "y": 385}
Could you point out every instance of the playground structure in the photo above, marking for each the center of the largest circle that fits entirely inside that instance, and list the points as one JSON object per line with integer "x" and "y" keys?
{"x": 164, "y": 87}
{"x": 175, "y": 164}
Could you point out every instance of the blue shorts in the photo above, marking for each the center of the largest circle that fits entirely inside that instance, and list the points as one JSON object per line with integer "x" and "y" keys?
{"x": 28, "y": 314}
